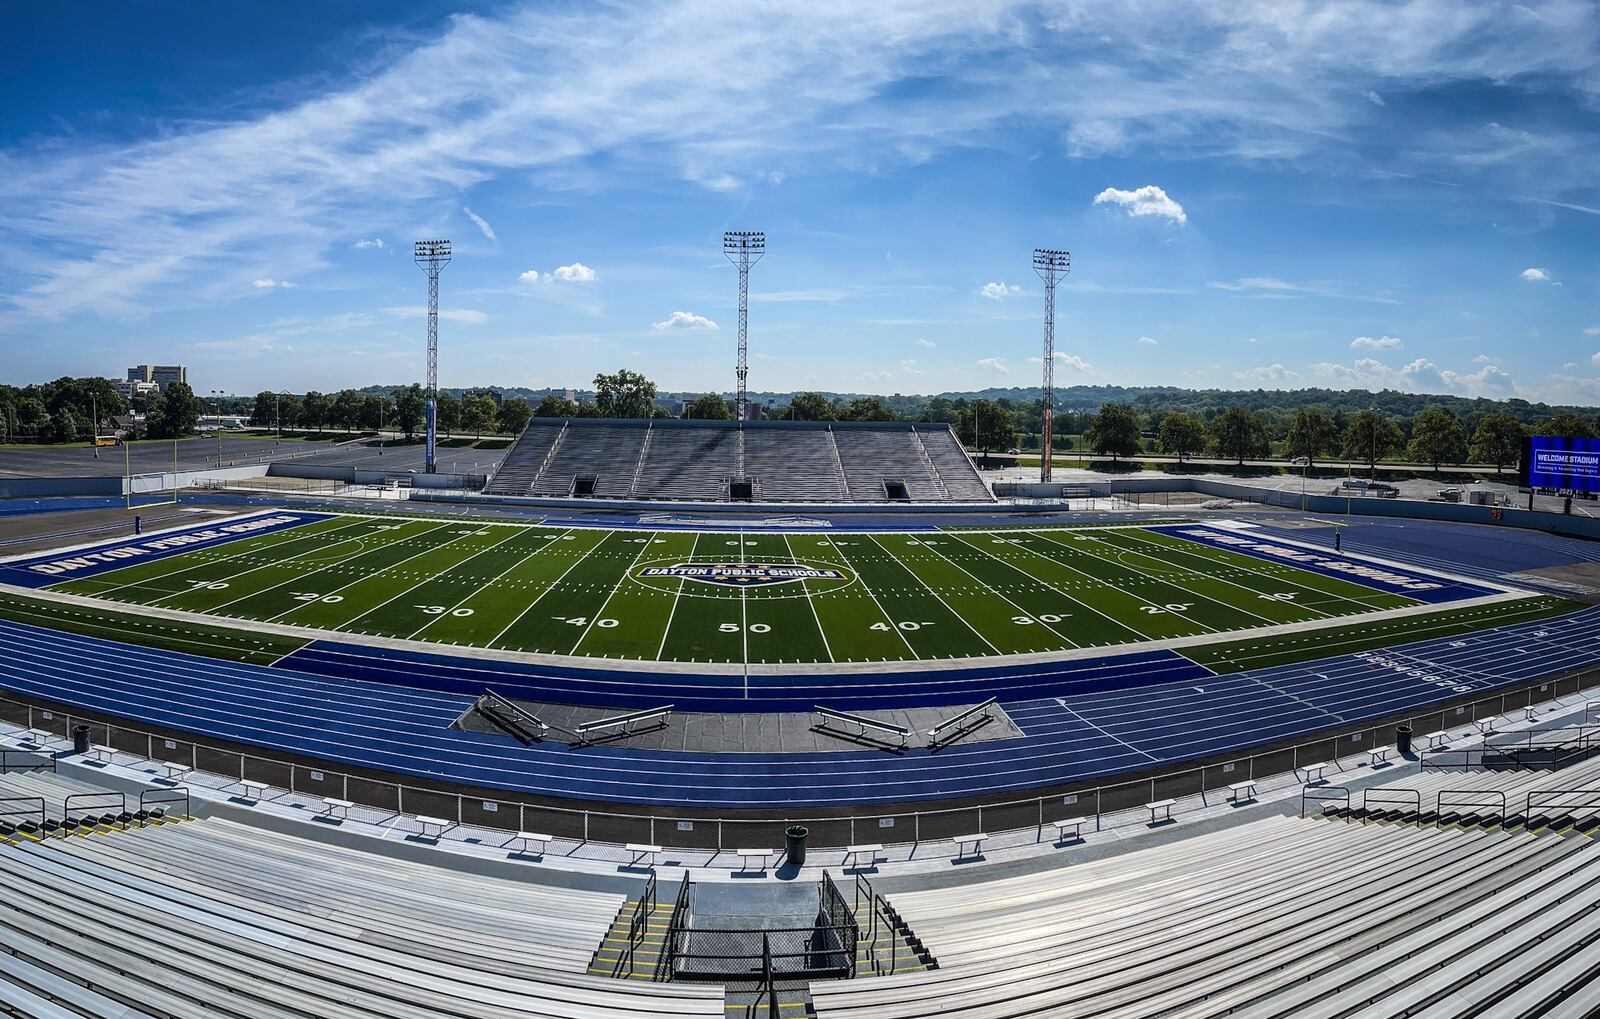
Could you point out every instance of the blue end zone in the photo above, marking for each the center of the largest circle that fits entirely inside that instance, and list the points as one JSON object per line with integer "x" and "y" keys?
{"x": 55, "y": 567}
{"x": 1403, "y": 581}
{"x": 729, "y": 692}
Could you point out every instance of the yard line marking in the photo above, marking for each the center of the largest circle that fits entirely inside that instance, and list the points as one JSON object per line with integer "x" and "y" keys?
{"x": 845, "y": 562}
{"x": 810, "y": 602}
{"x": 1287, "y": 576}
{"x": 1132, "y": 594}
{"x": 1108, "y": 735}
{"x": 429, "y": 580}
{"x": 1098, "y": 541}
{"x": 1070, "y": 597}
{"x": 744, "y": 619}
{"x": 1002, "y": 597}
{"x": 553, "y": 585}
{"x": 601, "y": 611}
{"x": 217, "y": 609}
{"x": 374, "y": 573}
{"x": 935, "y": 594}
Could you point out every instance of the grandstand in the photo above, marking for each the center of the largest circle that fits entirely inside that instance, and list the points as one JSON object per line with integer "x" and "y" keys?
{"x": 723, "y": 461}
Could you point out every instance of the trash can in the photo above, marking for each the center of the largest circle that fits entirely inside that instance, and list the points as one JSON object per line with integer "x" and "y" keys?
{"x": 795, "y": 853}
{"x": 1402, "y": 740}
{"x": 80, "y": 739}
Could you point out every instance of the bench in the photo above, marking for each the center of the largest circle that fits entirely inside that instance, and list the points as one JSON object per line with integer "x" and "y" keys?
{"x": 527, "y": 838}
{"x": 175, "y": 771}
{"x": 747, "y": 856}
{"x": 102, "y": 754}
{"x": 253, "y": 791}
{"x": 853, "y": 854}
{"x": 639, "y": 852}
{"x": 333, "y": 806}
{"x": 1075, "y": 823}
{"x": 1532, "y": 713}
{"x": 1162, "y": 807}
{"x": 1485, "y": 726}
{"x": 1377, "y": 756}
{"x": 434, "y": 822}
{"x": 1435, "y": 739}
{"x": 38, "y": 737}
{"x": 1314, "y": 771}
{"x": 1242, "y": 792}
{"x": 622, "y": 725}
{"x": 935, "y": 737}
{"x": 522, "y": 724}
{"x": 900, "y": 733}
{"x": 975, "y": 840}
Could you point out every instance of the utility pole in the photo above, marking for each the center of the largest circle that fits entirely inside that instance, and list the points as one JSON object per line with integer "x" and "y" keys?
{"x": 1051, "y": 265}
{"x": 432, "y": 257}
{"x": 744, "y": 248}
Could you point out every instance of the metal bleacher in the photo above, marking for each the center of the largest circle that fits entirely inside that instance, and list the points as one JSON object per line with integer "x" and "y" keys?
{"x": 1283, "y": 917}
{"x": 784, "y": 461}
{"x": 216, "y": 918}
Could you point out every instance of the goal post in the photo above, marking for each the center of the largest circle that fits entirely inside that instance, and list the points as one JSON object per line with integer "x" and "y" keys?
{"x": 157, "y": 488}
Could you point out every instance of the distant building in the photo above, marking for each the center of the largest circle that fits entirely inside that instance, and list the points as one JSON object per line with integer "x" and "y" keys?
{"x": 162, "y": 375}
{"x": 496, "y": 395}
{"x": 130, "y": 389}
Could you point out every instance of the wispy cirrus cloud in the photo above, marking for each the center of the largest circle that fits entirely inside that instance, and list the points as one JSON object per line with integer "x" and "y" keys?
{"x": 1271, "y": 288}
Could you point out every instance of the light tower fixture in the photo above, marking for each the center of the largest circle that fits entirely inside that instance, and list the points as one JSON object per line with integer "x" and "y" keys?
{"x": 431, "y": 257}
{"x": 744, "y": 248}
{"x": 1051, "y": 265}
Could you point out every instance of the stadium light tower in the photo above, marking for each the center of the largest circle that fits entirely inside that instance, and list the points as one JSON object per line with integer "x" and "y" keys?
{"x": 744, "y": 248}
{"x": 432, "y": 257}
{"x": 1051, "y": 265}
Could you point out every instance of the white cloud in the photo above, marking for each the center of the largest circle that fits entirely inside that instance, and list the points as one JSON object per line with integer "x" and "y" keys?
{"x": 1594, "y": 358}
{"x": 883, "y": 376}
{"x": 1421, "y": 375}
{"x": 271, "y": 284}
{"x": 1148, "y": 341}
{"x": 531, "y": 276}
{"x": 479, "y": 222}
{"x": 1374, "y": 98}
{"x": 684, "y": 320}
{"x": 1276, "y": 289}
{"x": 1378, "y": 343}
{"x": 1490, "y": 381}
{"x": 1536, "y": 275}
{"x": 994, "y": 364}
{"x": 1592, "y": 331}
{"x": 464, "y": 316}
{"x": 927, "y": 344}
{"x": 1071, "y": 362}
{"x": 999, "y": 291}
{"x": 577, "y": 272}
{"x": 910, "y": 367}
{"x": 376, "y": 242}
{"x": 1272, "y": 373}
{"x": 1146, "y": 201}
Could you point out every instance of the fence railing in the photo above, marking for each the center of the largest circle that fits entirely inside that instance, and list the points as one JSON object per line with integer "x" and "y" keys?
{"x": 695, "y": 831}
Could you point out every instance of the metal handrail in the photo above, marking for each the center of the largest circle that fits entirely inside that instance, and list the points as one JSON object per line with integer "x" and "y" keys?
{"x": 520, "y": 713}
{"x": 10, "y": 811}
{"x": 666, "y": 962}
{"x": 119, "y": 800}
{"x": 1527, "y": 813}
{"x": 159, "y": 797}
{"x": 35, "y": 760}
{"x": 1472, "y": 798}
{"x": 1326, "y": 793}
{"x": 638, "y": 924}
{"x": 1394, "y": 795}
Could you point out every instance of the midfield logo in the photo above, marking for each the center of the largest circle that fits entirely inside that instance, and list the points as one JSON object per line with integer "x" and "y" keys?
{"x": 743, "y": 574}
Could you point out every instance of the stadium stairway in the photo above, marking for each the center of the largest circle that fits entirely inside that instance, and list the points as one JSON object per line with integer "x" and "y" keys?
{"x": 1277, "y": 918}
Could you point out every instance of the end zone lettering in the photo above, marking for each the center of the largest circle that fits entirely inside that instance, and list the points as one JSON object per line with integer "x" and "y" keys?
{"x": 162, "y": 544}
{"x": 1375, "y": 574}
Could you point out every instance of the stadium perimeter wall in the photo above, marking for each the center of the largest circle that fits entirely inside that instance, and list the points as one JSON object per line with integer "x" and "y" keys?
{"x": 357, "y": 476}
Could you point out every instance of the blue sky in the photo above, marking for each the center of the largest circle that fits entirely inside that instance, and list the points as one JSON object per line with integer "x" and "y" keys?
{"x": 1278, "y": 194}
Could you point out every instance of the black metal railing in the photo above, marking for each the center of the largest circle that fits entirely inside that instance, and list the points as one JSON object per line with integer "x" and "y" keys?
{"x": 21, "y": 807}
{"x": 1454, "y": 798}
{"x": 165, "y": 800}
{"x": 93, "y": 805}
{"x": 1380, "y": 796}
{"x": 1545, "y": 801}
{"x": 666, "y": 962}
{"x": 1324, "y": 794}
{"x": 638, "y": 927}
{"x": 13, "y": 759}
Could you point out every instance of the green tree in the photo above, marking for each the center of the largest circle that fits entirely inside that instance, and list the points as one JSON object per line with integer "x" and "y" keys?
{"x": 409, "y": 408}
{"x": 447, "y": 414}
{"x": 317, "y": 410}
{"x": 176, "y": 413}
{"x": 515, "y": 415}
{"x": 477, "y": 414}
{"x": 1369, "y": 437}
{"x": 811, "y": 407}
{"x": 32, "y": 417}
{"x": 1181, "y": 433}
{"x": 871, "y": 408}
{"x": 986, "y": 427}
{"x": 347, "y": 409}
{"x": 1115, "y": 431}
{"x": 63, "y": 426}
{"x": 289, "y": 409}
{"x": 710, "y": 407}
{"x": 1311, "y": 434}
{"x": 1565, "y": 425}
{"x": 1437, "y": 438}
{"x": 624, "y": 394}
{"x": 375, "y": 411}
{"x": 264, "y": 414}
{"x": 1497, "y": 440}
{"x": 553, "y": 406}
{"x": 1238, "y": 434}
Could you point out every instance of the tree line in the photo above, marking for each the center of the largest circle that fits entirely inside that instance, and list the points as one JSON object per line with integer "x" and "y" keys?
{"x": 404, "y": 410}
{"x": 78, "y": 409}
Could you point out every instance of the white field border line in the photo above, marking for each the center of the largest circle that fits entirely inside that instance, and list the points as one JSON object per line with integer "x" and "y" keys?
{"x": 483, "y": 653}
{"x": 465, "y": 521}
{"x": 810, "y": 601}
{"x": 297, "y": 577}
{"x": 666, "y": 631}
{"x": 929, "y": 588}
{"x": 601, "y": 611}
{"x": 1392, "y": 564}
{"x": 553, "y": 585}
{"x": 543, "y": 547}
{"x": 1031, "y": 615}
{"x": 202, "y": 564}
{"x": 1068, "y": 548}
{"x": 1097, "y": 543}
{"x": 1102, "y": 648}
{"x": 1219, "y": 578}
{"x": 70, "y": 550}
{"x": 430, "y": 579}
{"x": 833, "y": 546}
{"x": 365, "y": 576}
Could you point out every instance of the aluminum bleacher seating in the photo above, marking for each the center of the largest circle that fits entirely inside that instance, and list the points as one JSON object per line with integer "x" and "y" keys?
{"x": 784, "y": 461}
{"x": 1280, "y": 917}
{"x": 217, "y": 918}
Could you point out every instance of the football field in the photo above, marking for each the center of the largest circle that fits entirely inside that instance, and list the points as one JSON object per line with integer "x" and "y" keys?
{"x": 730, "y": 597}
